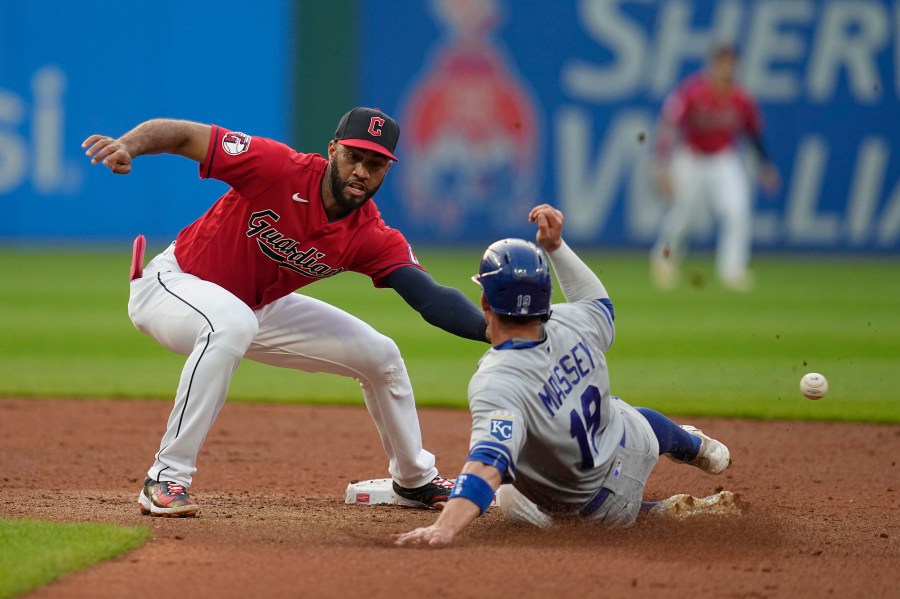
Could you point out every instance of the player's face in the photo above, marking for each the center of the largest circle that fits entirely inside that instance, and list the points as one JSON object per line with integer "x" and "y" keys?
{"x": 723, "y": 66}
{"x": 356, "y": 175}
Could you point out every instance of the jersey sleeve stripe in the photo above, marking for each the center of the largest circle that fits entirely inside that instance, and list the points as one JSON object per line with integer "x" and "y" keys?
{"x": 606, "y": 308}
{"x": 206, "y": 167}
{"x": 496, "y": 455}
{"x": 496, "y": 446}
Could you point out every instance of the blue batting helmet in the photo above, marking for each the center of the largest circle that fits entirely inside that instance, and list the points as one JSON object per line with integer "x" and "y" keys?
{"x": 515, "y": 278}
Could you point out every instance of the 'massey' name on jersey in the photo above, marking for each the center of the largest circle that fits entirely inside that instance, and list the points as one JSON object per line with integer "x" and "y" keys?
{"x": 571, "y": 368}
{"x": 284, "y": 250}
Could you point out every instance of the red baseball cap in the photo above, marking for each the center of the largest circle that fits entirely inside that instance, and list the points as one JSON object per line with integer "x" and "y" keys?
{"x": 369, "y": 129}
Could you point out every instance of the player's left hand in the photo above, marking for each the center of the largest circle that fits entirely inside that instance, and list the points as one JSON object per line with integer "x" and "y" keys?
{"x": 433, "y": 536}
{"x": 549, "y": 221}
{"x": 108, "y": 151}
{"x": 769, "y": 178}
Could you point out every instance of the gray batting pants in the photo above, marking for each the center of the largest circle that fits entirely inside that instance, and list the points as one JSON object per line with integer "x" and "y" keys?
{"x": 624, "y": 485}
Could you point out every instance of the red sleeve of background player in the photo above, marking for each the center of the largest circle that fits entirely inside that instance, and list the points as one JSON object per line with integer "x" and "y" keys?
{"x": 676, "y": 105}
{"x": 243, "y": 161}
{"x": 382, "y": 251}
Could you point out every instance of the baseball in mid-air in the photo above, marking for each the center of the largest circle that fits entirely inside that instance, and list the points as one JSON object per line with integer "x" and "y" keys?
{"x": 813, "y": 385}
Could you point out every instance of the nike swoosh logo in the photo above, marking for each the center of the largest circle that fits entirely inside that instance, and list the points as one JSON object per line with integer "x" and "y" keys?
{"x": 296, "y": 197}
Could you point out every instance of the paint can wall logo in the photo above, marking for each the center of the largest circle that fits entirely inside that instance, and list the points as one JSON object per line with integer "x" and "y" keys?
{"x": 32, "y": 137}
{"x": 470, "y": 129}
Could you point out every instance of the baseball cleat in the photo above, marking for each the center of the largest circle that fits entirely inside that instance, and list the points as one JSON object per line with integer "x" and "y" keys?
{"x": 430, "y": 496}
{"x": 713, "y": 456}
{"x": 741, "y": 284}
{"x": 663, "y": 273}
{"x": 682, "y": 507}
{"x": 168, "y": 499}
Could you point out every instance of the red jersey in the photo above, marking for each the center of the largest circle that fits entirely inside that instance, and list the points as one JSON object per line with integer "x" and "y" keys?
{"x": 710, "y": 120}
{"x": 269, "y": 236}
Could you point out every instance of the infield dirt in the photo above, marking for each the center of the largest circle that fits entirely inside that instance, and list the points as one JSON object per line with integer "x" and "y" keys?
{"x": 823, "y": 518}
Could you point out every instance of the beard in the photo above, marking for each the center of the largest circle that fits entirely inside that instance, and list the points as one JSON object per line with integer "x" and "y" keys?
{"x": 337, "y": 189}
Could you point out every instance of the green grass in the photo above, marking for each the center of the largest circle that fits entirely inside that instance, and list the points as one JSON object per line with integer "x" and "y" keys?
{"x": 32, "y": 553}
{"x": 696, "y": 350}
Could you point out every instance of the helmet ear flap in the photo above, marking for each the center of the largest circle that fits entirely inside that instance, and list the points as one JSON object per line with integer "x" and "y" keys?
{"x": 515, "y": 278}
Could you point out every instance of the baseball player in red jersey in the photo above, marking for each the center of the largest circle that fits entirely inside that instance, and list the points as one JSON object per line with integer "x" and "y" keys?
{"x": 223, "y": 291}
{"x": 707, "y": 113}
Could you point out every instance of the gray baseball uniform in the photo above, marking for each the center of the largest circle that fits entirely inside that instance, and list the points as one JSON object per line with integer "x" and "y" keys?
{"x": 543, "y": 413}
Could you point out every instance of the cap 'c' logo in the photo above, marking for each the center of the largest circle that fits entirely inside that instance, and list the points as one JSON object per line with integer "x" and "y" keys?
{"x": 375, "y": 126}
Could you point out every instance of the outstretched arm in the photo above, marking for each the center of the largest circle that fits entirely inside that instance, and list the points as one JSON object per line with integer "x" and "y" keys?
{"x": 444, "y": 307}
{"x": 666, "y": 138}
{"x": 156, "y": 136}
{"x": 578, "y": 282}
{"x": 768, "y": 173}
{"x": 464, "y": 506}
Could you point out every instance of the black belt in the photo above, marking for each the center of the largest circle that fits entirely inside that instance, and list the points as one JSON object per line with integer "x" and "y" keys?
{"x": 597, "y": 500}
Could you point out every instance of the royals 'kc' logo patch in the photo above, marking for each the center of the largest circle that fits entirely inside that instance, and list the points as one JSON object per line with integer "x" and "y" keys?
{"x": 235, "y": 143}
{"x": 502, "y": 425}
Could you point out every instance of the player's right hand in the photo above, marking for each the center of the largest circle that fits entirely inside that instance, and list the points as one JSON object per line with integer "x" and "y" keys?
{"x": 108, "y": 151}
{"x": 663, "y": 182}
{"x": 433, "y": 536}
{"x": 549, "y": 221}
{"x": 769, "y": 178}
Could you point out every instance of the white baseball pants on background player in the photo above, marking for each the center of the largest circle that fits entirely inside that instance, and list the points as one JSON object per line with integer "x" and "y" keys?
{"x": 216, "y": 330}
{"x": 701, "y": 180}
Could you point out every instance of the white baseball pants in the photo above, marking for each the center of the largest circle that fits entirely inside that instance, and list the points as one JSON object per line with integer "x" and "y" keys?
{"x": 215, "y": 330}
{"x": 700, "y": 181}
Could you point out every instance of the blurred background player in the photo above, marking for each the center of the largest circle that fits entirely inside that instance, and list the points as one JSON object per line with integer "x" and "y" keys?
{"x": 543, "y": 419}
{"x": 698, "y": 165}
{"x": 224, "y": 290}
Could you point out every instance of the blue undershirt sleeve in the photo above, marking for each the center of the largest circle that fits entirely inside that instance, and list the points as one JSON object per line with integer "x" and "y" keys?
{"x": 444, "y": 307}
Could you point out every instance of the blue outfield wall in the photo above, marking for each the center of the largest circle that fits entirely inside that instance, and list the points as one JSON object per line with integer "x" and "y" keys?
{"x": 502, "y": 104}
{"x": 507, "y": 103}
{"x": 70, "y": 69}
